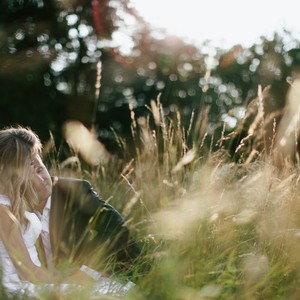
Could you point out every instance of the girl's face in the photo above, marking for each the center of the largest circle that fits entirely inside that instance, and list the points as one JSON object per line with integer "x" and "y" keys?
{"x": 42, "y": 182}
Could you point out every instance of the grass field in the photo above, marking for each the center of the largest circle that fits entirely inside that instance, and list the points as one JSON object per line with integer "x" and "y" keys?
{"x": 210, "y": 228}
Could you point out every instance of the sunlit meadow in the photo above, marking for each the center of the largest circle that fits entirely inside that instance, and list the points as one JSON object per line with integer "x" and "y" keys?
{"x": 210, "y": 228}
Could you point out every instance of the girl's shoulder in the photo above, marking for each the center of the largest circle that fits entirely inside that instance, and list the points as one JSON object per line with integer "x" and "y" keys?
{"x": 5, "y": 208}
{"x": 7, "y": 218}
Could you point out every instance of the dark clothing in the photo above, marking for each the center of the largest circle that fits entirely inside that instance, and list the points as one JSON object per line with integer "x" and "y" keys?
{"x": 86, "y": 229}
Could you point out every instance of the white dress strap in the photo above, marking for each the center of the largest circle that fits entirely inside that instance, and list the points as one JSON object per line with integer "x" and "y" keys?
{"x": 4, "y": 200}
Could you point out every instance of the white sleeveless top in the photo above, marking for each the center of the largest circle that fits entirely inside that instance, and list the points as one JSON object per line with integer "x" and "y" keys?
{"x": 10, "y": 278}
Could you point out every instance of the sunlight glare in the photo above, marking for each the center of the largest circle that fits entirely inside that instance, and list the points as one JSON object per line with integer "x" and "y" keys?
{"x": 225, "y": 23}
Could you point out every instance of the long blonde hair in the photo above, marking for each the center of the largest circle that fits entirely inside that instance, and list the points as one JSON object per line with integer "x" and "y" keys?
{"x": 17, "y": 146}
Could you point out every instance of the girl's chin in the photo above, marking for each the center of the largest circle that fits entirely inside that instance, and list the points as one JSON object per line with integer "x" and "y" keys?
{"x": 44, "y": 195}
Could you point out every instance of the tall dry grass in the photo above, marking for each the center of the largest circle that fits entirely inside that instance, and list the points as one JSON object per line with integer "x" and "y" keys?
{"x": 210, "y": 228}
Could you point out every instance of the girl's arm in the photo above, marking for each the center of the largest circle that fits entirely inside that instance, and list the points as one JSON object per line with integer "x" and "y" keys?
{"x": 10, "y": 234}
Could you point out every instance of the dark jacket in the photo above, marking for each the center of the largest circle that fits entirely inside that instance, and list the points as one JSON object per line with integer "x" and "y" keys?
{"x": 86, "y": 229}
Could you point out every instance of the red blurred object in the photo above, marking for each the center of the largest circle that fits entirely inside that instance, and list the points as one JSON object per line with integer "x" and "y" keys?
{"x": 230, "y": 57}
{"x": 99, "y": 11}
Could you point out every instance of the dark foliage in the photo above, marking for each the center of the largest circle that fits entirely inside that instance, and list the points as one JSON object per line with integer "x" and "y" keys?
{"x": 48, "y": 70}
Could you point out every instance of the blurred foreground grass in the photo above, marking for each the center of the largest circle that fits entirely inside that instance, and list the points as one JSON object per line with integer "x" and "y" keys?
{"x": 210, "y": 228}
